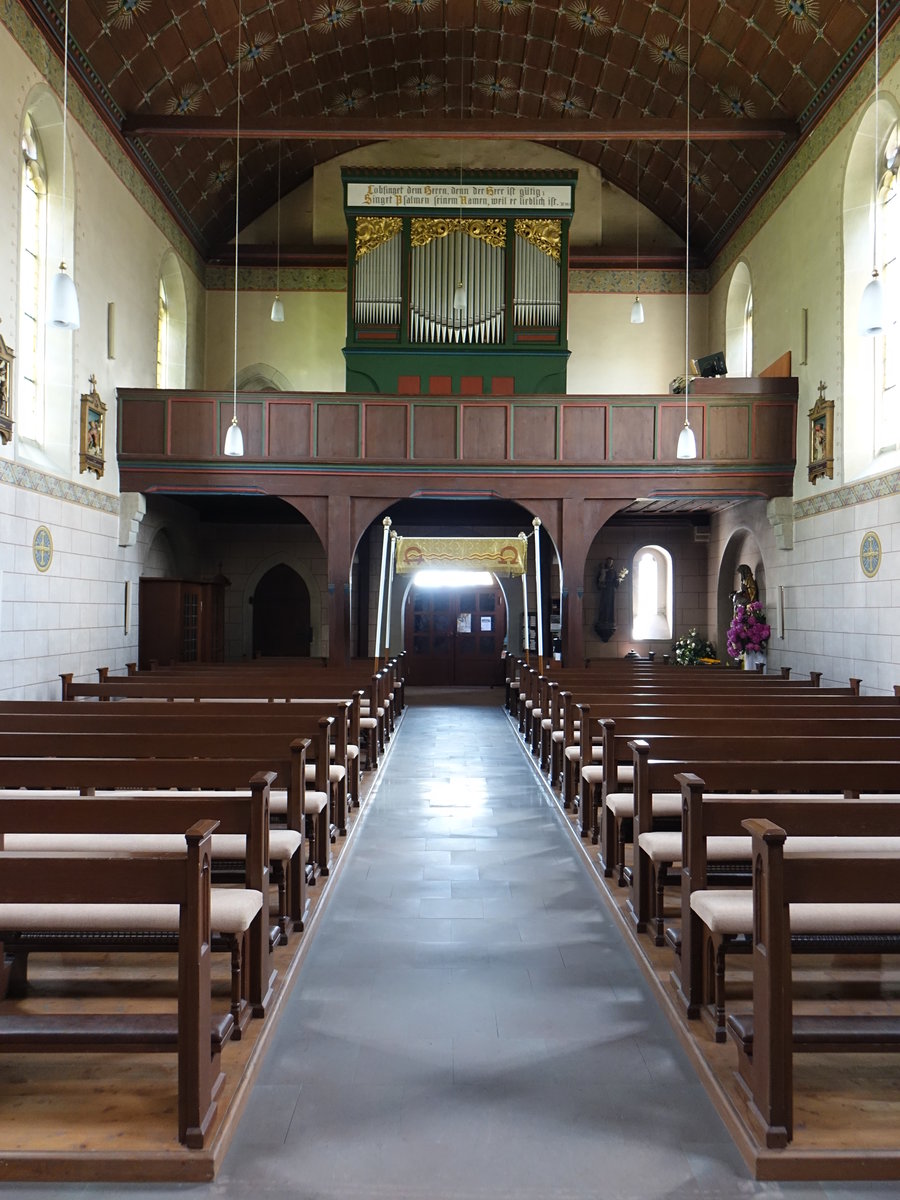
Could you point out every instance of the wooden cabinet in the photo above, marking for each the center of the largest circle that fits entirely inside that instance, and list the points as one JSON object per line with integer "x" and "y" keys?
{"x": 181, "y": 620}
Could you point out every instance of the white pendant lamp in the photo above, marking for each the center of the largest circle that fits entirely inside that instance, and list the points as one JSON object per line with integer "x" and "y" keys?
{"x": 63, "y": 310}
{"x": 637, "y": 309}
{"x": 277, "y": 314}
{"x": 871, "y": 309}
{"x": 234, "y": 439}
{"x": 687, "y": 442}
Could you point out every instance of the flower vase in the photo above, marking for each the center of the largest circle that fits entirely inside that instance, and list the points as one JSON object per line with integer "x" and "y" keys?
{"x": 752, "y": 658}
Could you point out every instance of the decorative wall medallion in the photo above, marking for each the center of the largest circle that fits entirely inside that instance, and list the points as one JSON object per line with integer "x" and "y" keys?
{"x": 870, "y": 554}
{"x": 42, "y": 548}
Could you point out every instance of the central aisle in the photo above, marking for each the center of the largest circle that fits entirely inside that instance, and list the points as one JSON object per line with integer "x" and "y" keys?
{"x": 468, "y": 1022}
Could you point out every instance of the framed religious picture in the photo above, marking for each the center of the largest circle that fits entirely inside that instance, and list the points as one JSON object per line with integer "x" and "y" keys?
{"x": 93, "y": 431}
{"x": 6, "y": 380}
{"x": 821, "y": 438}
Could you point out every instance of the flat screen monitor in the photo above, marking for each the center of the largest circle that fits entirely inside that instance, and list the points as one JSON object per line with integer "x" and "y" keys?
{"x": 712, "y": 365}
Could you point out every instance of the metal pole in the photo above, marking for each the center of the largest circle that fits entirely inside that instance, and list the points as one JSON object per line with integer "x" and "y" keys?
{"x": 387, "y": 615}
{"x": 525, "y": 611}
{"x": 384, "y": 546}
{"x": 537, "y": 587}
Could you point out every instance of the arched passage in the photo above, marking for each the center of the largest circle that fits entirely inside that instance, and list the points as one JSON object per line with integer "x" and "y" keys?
{"x": 281, "y": 615}
{"x": 454, "y": 629}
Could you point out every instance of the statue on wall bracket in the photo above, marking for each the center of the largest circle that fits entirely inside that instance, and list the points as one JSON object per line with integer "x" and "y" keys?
{"x": 608, "y": 579}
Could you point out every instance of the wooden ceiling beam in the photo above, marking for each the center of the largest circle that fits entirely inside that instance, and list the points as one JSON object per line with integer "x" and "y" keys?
{"x": 356, "y": 129}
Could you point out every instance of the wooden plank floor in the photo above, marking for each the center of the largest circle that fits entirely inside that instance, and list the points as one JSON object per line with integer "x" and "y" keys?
{"x": 846, "y": 1106}
{"x": 114, "y": 1116}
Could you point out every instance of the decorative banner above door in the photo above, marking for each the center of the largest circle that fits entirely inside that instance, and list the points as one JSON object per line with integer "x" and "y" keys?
{"x": 502, "y": 556}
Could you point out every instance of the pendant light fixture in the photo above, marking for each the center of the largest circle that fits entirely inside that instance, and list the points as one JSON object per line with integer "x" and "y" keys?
{"x": 871, "y": 309}
{"x": 637, "y": 309}
{"x": 234, "y": 439}
{"x": 277, "y": 314}
{"x": 687, "y": 442}
{"x": 63, "y": 311}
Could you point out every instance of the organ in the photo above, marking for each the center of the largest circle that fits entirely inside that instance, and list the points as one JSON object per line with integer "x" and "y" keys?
{"x": 457, "y": 281}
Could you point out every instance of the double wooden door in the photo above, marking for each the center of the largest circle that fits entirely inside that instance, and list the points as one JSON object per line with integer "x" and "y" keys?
{"x": 455, "y": 636}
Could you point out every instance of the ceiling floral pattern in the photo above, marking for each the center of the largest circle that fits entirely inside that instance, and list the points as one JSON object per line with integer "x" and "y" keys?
{"x": 535, "y": 63}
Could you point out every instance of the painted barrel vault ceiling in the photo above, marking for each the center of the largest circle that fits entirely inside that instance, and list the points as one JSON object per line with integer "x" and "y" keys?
{"x": 605, "y": 82}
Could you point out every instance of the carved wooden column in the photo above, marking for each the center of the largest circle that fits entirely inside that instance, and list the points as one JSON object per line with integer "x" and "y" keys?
{"x": 339, "y": 549}
{"x": 580, "y": 523}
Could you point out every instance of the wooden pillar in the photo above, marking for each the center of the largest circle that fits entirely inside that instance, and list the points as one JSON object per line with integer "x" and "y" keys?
{"x": 339, "y": 550}
{"x": 580, "y": 521}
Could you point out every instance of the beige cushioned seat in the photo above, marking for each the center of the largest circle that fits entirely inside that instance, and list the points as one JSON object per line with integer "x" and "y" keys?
{"x": 335, "y": 773}
{"x": 664, "y": 804}
{"x": 731, "y": 912}
{"x": 313, "y": 802}
{"x": 624, "y": 774}
{"x": 231, "y": 911}
{"x": 283, "y": 843}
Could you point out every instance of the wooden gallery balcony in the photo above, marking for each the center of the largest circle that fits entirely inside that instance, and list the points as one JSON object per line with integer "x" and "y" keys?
{"x": 565, "y": 446}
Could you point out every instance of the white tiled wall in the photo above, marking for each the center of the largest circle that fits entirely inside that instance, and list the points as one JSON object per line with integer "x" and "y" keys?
{"x": 72, "y": 616}
{"x": 836, "y": 620}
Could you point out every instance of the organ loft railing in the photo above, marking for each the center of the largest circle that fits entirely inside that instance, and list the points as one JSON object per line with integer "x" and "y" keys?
{"x": 457, "y": 284}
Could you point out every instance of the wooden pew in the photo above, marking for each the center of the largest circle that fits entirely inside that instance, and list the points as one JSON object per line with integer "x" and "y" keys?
{"x": 719, "y": 720}
{"x": 291, "y": 719}
{"x": 738, "y": 776}
{"x": 255, "y": 975}
{"x": 126, "y": 819}
{"x": 711, "y": 826}
{"x": 267, "y": 749}
{"x": 669, "y": 756}
{"x": 612, "y": 702}
{"x": 182, "y": 880}
{"x": 768, "y": 1037}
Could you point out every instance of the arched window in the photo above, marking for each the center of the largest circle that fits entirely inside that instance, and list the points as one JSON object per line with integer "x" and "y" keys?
{"x": 739, "y": 323}
{"x": 45, "y": 425}
{"x": 871, "y": 427}
{"x": 32, "y": 276}
{"x": 652, "y": 594}
{"x": 171, "y": 326}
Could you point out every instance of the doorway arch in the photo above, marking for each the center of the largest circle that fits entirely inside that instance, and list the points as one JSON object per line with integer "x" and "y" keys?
{"x": 453, "y": 634}
{"x": 281, "y": 615}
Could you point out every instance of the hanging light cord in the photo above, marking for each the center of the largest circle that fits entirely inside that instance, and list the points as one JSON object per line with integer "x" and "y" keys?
{"x": 65, "y": 114}
{"x": 875, "y": 205}
{"x": 278, "y": 224}
{"x": 237, "y": 202}
{"x": 637, "y": 238}
{"x": 687, "y": 220}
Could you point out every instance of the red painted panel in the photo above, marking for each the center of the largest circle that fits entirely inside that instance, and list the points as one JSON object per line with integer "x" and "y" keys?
{"x": 471, "y": 385}
{"x": 631, "y": 433}
{"x": 534, "y": 433}
{"x": 503, "y": 385}
{"x": 671, "y": 422}
{"x": 408, "y": 385}
{"x": 440, "y": 385}
{"x": 386, "y": 431}
{"x": 192, "y": 428}
{"x": 484, "y": 432}
{"x": 338, "y": 431}
{"x": 142, "y": 426}
{"x": 774, "y": 438}
{"x": 289, "y": 429}
{"x": 434, "y": 431}
{"x": 727, "y": 431}
{"x": 583, "y": 433}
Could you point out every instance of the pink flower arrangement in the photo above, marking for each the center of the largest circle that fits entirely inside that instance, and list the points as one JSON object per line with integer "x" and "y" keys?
{"x": 748, "y": 630}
